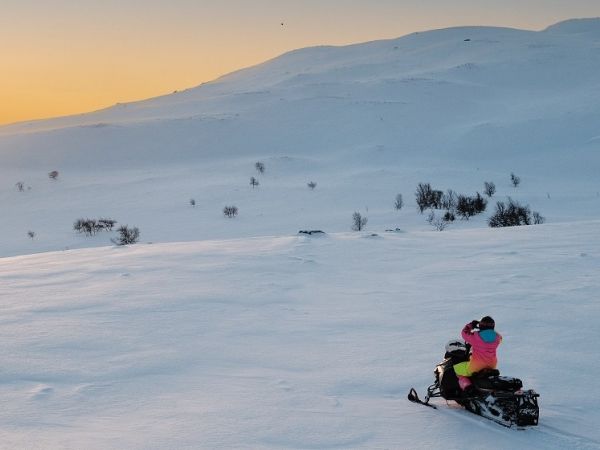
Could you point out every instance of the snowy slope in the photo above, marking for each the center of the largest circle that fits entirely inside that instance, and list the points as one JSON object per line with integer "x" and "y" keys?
{"x": 453, "y": 107}
{"x": 238, "y": 333}
{"x": 295, "y": 342}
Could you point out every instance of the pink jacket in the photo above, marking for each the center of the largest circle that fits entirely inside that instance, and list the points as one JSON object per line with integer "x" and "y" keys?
{"x": 483, "y": 347}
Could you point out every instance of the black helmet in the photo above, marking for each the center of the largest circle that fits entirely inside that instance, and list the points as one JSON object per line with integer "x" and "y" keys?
{"x": 486, "y": 323}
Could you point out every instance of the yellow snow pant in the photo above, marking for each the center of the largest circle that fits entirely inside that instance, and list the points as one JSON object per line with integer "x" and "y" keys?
{"x": 463, "y": 369}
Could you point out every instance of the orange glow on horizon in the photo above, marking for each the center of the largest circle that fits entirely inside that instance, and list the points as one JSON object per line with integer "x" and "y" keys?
{"x": 67, "y": 57}
{"x": 77, "y": 83}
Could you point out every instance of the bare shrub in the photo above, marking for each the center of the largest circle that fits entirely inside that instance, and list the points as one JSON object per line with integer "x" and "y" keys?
{"x": 230, "y": 211}
{"x": 515, "y": 180}
{"x": 479, "y": 203}
{"x": 31, "y": 234}
{"x": 510, "y": 214}
{"x": 467, "y": 207}
{"x": 20, "y": 186}
{"x": 430, "y": 217}
{"x": 358, "y": 221}
{"x": 53, "y": 175}
{"x": 449, "y": 200}
{"x": 78, "y": 225}
{"x": 422, "y": 196}
{"x": 464, "y": 207}
{"x": 106, "y": 224}
{"x": 538, "y": 218}
{"x": 253, "y": 182}
{"x": 260, "y": 167}
{"x": 127, "y": 235}
{"x": 399, "y": 203}
{"x": 90, "y": 227}
{"x": 439, "y": 224}
{"x": 312, "y": 185}
{"x": 426, "y": 197}
{"x": 449, "y": 216}
{"x": 489, "y": 188}
{"x": 436, "y": 201}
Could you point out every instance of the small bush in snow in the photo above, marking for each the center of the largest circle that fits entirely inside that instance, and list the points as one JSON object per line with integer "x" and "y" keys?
{"x": 53, "y": 175}
{"x": 260, "y": 167}
{"x": 449, "y": 216}
{"x": 427, "y": 197}
{"x": 480, "y": 203}
{"x": 106, "y": 224}
{"x": 430, "y": 217}
{"x": 20, "y": 186}
{"x": 489, "y": 188}
{"x": 538, "y": 218}
{"x": 422, "y": 196}
{"x": 253, "y": 182}
{"x": 399, "y": 203}
{"x": 31, "y": 234}
{"x": 469, "y": 206}
{"x": 127, "y": 235}
{"x": 510, "y": 214}
{"x": 515, "y": 180}
{"x": 230, "y": 211}
{"x": 312, "y": 185}
{"x": 358, "y": 221}
{"x": 439, "y": 223}
{"x": 436, "y": 199}
{"x": 90, "y": 227}
{"x": 449, "y": 200}
{"x": 78, "y": 225}
{"x": 192, "y": 202}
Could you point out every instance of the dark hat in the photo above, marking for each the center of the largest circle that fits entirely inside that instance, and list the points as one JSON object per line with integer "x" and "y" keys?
{"x": 487, "y": 323}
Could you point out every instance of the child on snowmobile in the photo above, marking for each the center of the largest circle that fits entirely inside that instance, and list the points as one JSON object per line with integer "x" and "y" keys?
{"x": 484, "y": 341}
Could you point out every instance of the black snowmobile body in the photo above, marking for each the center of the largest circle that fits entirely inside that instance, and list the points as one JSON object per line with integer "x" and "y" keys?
{"x": 492, "y": 396}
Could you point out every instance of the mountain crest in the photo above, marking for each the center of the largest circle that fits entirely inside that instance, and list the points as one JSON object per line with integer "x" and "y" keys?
{"x": 587, "y": 26}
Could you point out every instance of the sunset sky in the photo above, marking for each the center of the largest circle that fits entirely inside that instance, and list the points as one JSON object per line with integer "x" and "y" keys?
{"x": 63, "y": 57}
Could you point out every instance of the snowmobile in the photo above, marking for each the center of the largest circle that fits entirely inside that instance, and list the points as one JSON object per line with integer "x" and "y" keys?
{"x": 495, "y": 397}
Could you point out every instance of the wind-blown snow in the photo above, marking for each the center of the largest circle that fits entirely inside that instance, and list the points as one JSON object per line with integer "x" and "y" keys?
{"x": 238, "y": 333}
{"x": 295, "y": 342}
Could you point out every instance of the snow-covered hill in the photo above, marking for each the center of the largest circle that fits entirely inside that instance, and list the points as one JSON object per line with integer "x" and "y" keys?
{"x": 295, "y": 342}
{"x": 238, "y": 333}
{"x": 453, "y": 107}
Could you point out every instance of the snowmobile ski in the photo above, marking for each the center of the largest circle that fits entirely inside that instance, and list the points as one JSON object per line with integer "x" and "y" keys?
{"x": 414, "y": 397}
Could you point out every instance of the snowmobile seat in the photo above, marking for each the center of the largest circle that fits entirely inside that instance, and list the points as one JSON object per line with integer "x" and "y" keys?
{"x": 484, "y": 373}
{"x": 490, "y": 379}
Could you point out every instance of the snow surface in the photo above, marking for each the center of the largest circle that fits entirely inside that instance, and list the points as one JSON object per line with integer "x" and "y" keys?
{"x": 239, "y": 333}
{"x": 295, "y": 342}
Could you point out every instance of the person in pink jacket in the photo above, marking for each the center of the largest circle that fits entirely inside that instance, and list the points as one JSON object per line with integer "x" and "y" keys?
{"x": 484, "y": 341}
